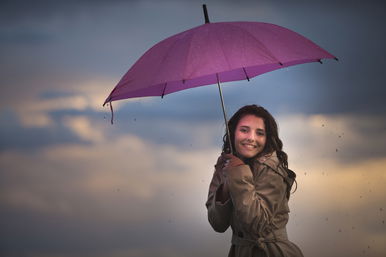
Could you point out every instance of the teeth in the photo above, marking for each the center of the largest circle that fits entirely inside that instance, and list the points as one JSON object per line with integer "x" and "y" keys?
{"x": 249, "y": 146}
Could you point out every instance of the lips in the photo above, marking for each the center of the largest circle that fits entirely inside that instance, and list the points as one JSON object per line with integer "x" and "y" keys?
{"x": 249, "y": 146}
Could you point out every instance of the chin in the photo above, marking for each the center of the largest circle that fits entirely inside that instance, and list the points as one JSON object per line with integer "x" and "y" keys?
{"x": 247, "y": 155}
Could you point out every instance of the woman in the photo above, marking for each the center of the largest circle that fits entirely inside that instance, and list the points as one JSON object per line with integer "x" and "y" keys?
{"x": 250, "y": 188}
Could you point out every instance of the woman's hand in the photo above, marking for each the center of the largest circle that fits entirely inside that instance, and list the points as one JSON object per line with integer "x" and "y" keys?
{"x": 232, "y": 161}
{"x": 223, "y": 162}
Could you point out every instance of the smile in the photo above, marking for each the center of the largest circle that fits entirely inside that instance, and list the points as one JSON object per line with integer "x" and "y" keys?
{"x": 249, "y": 146}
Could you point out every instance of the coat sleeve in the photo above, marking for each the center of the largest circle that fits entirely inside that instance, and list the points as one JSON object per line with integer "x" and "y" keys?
{"x": 255, "y": 203}
{"x": 219, "y": 214}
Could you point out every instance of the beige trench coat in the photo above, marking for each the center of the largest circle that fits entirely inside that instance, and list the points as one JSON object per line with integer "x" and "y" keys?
{"x": 257, "y": 210}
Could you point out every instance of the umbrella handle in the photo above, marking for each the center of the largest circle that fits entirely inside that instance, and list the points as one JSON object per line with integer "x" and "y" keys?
{"x": 225, "y": 115}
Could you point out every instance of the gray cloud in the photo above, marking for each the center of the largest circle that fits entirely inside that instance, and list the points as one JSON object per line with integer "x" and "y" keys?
{"x": 65, "y": 193}
{"x": 14, "y": 136}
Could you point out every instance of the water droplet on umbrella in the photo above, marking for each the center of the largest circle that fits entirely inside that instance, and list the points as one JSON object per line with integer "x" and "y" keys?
{"x": 336, "y": 150}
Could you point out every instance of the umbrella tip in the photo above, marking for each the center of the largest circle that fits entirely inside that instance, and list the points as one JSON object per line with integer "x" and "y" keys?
{"x": 205, "y": 13}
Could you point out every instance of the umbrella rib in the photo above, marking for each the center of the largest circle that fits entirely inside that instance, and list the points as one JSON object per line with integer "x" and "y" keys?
{"x": 163, "y": 92}
{"x": 165, "y": 56}
{"x": 187, "y": 57}
{"x": 224, "y": 55}
{"x": 246, "y": 75}
{"x": 260, "y": 43}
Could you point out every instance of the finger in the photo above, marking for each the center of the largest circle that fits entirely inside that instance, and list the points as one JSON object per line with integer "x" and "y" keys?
{"x": 229, "y": 156}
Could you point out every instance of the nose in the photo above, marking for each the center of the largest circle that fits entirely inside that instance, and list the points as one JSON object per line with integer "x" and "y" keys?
{"x": 251, "y": 137}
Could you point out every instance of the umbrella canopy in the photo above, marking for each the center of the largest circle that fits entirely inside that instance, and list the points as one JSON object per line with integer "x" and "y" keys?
{"x": 212, "y": 53}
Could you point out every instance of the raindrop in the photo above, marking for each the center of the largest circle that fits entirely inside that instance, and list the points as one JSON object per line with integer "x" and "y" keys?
{"x": 336, "y": 150}
{"x": 135, "y": 119}
{"x": 381, "y": 209}
{"x": 360, "y": 196}
{"x": 340, "y": 230}
{"x": 383, "y": 222}
{"x": 305, "y": 173}
{"x": 327, "y": 219}
{"x": 352, "y": 227}
{"x": 368, "y": 247}
{"x": 322, "y": 125}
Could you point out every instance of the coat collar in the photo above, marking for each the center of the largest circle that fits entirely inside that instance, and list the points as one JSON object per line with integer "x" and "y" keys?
{"x": 271, "y": 160}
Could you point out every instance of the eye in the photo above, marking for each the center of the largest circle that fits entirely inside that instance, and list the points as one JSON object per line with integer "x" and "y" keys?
{"x": 260, "y": 133}
{"x": 243, "y": 130}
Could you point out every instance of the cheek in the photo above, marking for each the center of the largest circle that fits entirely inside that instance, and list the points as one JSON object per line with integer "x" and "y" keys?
{"x": 263, "y": 141}
{"x": 238, "y": 137}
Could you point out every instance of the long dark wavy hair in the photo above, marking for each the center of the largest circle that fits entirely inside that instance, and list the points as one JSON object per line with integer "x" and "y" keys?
{"x": 273, "y": 142}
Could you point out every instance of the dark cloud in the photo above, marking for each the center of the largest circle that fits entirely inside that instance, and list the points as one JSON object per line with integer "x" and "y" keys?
{"x": 49, "y": 48}
{"x": 15, "y": 136}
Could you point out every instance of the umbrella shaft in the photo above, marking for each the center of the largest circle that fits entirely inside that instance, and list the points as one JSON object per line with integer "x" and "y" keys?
{"x": 225, "y": 116}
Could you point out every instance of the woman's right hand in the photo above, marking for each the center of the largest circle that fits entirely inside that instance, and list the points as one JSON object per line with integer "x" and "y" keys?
{"x": 219, "y": 167}
{"x": 223, "y": 192}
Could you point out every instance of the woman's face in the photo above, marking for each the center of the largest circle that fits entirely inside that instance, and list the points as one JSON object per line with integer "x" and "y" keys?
{"x": 250, "y": 136}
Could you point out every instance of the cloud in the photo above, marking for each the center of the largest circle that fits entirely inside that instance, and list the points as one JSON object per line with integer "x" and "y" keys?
{"x": 136, "y": 190}
{"x": 338, "y": 204}
{"x": 73, "y": 185}
{"x": 342, "y": 138}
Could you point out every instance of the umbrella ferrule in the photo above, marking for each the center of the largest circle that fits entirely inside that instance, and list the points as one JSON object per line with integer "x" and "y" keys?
{"x": 205, "y": 13}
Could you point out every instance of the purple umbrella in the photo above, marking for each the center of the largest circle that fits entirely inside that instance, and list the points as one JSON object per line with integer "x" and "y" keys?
{"x": 214, "y": 53}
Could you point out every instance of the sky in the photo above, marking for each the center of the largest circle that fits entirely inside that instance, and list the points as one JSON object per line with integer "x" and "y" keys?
{"x": 72, "y": 184}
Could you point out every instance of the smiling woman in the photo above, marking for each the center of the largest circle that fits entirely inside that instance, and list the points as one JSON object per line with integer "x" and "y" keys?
{"x": 250, "y": 136}
{"x": 250, "y": 189}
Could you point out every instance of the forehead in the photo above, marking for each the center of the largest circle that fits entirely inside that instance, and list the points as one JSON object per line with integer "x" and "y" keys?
{"x": 251, "y": 121}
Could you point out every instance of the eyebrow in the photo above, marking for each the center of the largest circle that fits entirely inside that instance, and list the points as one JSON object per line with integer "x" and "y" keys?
{"x": 245, "y": 126}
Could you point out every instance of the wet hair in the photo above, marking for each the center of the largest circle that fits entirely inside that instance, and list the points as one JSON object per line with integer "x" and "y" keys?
{"x": 273, "y": 142}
